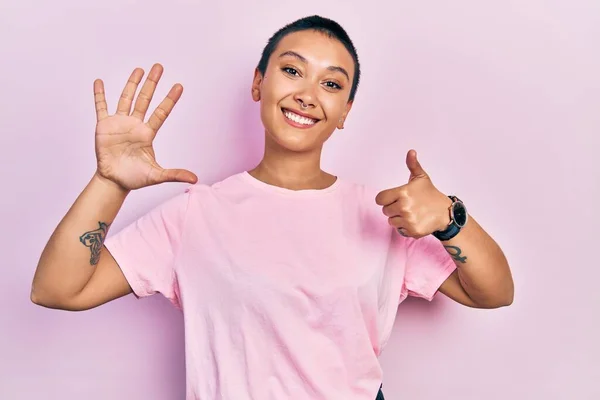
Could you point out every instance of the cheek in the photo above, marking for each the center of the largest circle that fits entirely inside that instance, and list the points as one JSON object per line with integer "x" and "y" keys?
{"x": 333, "y": 108}
{"x": 275, "y": 87}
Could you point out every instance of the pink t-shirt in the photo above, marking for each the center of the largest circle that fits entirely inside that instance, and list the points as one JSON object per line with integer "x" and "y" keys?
{"x": 285, "y": 294}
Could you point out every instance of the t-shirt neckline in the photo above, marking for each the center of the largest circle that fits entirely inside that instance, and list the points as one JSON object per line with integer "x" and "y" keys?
{"x": 245, "y": 175}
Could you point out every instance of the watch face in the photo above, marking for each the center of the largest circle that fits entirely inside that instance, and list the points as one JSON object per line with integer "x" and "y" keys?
{"x": 459, "y": 213}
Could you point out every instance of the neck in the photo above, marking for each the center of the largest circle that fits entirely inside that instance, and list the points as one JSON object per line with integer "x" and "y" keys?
{"x": 292, "y": 170}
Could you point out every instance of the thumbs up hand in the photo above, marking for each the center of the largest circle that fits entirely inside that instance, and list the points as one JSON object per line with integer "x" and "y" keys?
{"x": 417, "y": 208}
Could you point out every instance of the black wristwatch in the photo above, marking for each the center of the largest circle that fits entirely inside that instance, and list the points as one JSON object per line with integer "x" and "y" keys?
{"x": 458, "y": 219}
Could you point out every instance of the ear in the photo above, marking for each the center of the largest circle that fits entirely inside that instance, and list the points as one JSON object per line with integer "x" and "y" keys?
{"x": 340, "y": 124}
{"x": 256, "y": 82}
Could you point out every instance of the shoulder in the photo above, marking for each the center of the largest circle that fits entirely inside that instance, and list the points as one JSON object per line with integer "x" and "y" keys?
{"x": 222, "y": 193}
{"x": 224, "y": 185}
{"x": 362, "y": 193}
{"x": 361, "y": 197}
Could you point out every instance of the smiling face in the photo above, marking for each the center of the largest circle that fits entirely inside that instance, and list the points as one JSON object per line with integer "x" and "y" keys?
{"x": 305, "y": 90}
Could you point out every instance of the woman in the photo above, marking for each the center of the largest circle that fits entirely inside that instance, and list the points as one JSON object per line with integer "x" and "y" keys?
{"x": 288, "y": 276}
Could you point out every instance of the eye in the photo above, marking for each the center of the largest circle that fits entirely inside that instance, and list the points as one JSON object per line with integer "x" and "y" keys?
{"x": 332, "y": 85}
{"x": 290, "y": 70}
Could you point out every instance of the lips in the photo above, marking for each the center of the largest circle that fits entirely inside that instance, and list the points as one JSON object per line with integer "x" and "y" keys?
{"x": 299, "y": 118}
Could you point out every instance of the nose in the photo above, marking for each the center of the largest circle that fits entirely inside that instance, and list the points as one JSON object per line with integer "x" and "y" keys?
{"x": 305, "y": 98}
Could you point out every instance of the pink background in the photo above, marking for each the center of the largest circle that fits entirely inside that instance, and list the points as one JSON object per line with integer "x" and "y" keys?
{"x": 501, "y": 99}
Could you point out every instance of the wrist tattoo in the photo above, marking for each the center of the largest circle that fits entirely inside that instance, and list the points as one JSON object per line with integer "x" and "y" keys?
{"x": 94, "y": 240}
{"x": 456, "y": 253}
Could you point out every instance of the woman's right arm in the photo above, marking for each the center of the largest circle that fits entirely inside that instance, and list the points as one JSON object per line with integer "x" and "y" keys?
{"x": 75, "y": 271}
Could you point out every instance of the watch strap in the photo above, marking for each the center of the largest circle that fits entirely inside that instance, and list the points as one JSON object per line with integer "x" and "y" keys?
{"x": 452, "y": 230}
{"x": 448, "y": 233}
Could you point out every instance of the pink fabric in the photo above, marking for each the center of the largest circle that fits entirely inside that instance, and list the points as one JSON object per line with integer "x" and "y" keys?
{"x": 285, "y": 294}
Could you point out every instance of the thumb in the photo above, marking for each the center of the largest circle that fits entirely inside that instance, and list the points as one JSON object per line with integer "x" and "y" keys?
{"x": 414, "y": 166}
{"x": 174, "y": 175}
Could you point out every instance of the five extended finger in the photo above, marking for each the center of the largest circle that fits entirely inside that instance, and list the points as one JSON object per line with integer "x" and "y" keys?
{"x": 128, "y": 93}
{"x": 145, "y": 96}
{"x": 100, "y": 100}
{"x": 158, "y": 117}
{"x": 159, "y": 175}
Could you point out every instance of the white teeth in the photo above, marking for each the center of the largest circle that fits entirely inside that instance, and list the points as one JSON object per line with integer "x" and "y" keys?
{"x": 298, "y": 118}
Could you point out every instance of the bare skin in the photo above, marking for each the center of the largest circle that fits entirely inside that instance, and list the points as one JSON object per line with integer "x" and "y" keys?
{"x": 308, "y": 73}
{"x": 308, "y": 69}
{"x": 75, "y": 271}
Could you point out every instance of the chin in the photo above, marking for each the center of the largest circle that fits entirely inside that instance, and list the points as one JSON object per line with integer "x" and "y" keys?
{"x": 294, "y": 142}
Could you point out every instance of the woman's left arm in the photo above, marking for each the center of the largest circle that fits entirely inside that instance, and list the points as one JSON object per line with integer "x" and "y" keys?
{"x": 482, "y": 278}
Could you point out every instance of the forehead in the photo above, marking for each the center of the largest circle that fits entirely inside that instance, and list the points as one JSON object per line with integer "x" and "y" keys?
{"x": 318, "y": 48}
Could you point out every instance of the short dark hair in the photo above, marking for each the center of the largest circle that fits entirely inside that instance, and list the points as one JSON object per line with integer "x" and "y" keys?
{"x": 319, "y": 24}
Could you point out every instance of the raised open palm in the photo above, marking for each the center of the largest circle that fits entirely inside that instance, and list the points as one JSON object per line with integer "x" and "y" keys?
{"x": 124, "y": 141}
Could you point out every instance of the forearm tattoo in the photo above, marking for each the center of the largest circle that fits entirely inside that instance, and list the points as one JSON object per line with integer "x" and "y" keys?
{"x": 456, "y": 254}
{"x": 94, "y": 240}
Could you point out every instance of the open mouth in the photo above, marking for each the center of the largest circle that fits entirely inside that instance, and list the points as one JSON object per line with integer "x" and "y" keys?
{"x": 298, "y": 119}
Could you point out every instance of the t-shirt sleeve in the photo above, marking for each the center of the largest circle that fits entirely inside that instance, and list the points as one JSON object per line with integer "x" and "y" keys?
{"x": 428, "y": 266}
{"x": 146, "y": 250}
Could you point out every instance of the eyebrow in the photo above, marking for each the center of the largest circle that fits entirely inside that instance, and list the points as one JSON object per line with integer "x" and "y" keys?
{"x": 333, "y": 68}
